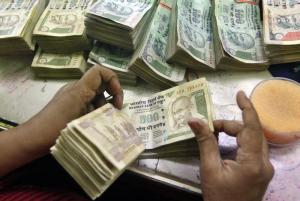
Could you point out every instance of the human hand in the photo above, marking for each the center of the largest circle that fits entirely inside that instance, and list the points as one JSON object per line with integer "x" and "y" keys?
{"x": 70, "y": 102}
{"x": 244, "y": 179}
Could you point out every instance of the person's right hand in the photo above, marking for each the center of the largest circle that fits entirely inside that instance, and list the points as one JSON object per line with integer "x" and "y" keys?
{"x": 243, "y": 179}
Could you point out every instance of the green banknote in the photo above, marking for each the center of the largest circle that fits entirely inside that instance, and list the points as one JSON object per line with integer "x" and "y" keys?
{"x": 111, "y": 57}
{"x": 194, "y": 29}
{"x": 149, "y": 61}
{"x": 240, "y": 30}
{"x": 128, "y": 13}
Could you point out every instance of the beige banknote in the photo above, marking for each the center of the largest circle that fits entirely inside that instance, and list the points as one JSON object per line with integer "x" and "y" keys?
{"x": 162, "y": 118}
{"x": 118, "y": 141}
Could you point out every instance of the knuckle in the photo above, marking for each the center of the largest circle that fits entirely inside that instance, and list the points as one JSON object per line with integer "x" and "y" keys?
{"x": 256, "y": 171}
{"x": 269, "y": 170}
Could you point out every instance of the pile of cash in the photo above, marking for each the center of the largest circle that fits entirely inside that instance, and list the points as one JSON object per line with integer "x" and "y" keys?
{"x": 61, "y": 27}
{"x": 282, "y": 30}
{"x": 238, "y": 36}
{"x": 48, "y": 65}
{"x": 119, "y": 23}
{"x": 191, "y": 39}
{"x": 17, "y": 21}
{"x": 161, "y": 120}
{"x": 149, "y": 60}
{"x": 96, "y": 148}
{"x": 115, "y": 58}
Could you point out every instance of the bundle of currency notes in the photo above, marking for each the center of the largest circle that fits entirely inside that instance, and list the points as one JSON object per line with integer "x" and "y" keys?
{"x": 186, "y": 148}
{"x": 120, "y": 23}
{"x": 17, "y": 21}
{"x": 61, "y": 27}
{"x": 96, "y": 148}
{"x": 282, "y": 30}
{"x": 149, "y": 60}
{"x": 191, "y": 39}
{"x": 115, "y": 58}
{"x": 238, "y": 36}
{"x": 161, "y": 119}
{"x": 48, "y": 65}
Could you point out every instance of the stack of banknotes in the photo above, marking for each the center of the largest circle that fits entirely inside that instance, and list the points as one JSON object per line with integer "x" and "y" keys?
{"x": 49, "y": 65}
{"x": 149, "y": 60}
{"x": 61, "y": 36}
{"x": 191, "y": 38}
{"x": 61, "y": 27}
{"x": 120, "y": 23}
{"x": 115, "y": 58}
{"x": 238, "y": 36}
{"x": 17, "y": 21}
{"x": 161, "y": 120}
{"x": 282, "y": 30}
{"x": 96, "y": 148}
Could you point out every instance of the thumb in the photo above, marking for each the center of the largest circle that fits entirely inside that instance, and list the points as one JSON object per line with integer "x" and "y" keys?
{"x": 210, "y": 158}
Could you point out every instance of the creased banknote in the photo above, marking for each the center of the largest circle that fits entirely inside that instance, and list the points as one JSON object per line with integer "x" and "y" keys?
{"x": 111, "y": 132}
{"x": 63, "y": 18}
{"x": 194, "y": 27}
{"x": 281, "y": 22}
{"x": 154, "y": 52}
{"x": 240, "y": 30}
{"x": 162, "y": 118}
{"x": 126, "y": 12}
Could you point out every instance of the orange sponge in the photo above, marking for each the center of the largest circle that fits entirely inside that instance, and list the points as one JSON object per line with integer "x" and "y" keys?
{"x": 277, "y": 102}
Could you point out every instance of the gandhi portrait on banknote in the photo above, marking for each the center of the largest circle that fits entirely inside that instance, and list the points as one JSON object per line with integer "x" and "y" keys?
{"x": 7, "y": 23}
{"x": 118, "y": 9}
{"x": 194, "y": 38}
{"x": 182, "y": 111}
{"x": 240, "y": 39}
{"x": 64, "y": 19}
{"x": 291, "y": 21}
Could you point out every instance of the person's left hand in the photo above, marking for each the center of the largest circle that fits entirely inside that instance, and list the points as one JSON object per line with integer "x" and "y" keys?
{"x": 70, "y": 102}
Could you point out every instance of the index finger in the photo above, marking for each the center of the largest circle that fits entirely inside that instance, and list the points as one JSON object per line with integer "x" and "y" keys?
{"x": 250, "y": 139}
{"x": 113, "y": 86}
{"x": 99, "y": 79}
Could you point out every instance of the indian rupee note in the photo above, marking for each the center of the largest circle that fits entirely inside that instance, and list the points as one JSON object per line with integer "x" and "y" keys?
{"x": 14, "y": 15}
{"x": 112, "y": 57}
{"x": 63, "y": 18}
{"x": 194, "y": 27}
{"x": 128, "y": 12}
{"x": 162, "y": 118}
{"x": 240, "y": 30}
{"x": 154, "y": 51}
{"x": 59, "y": 61}
{"x": 110, "y": 131}
{"x": 281, "y": 22}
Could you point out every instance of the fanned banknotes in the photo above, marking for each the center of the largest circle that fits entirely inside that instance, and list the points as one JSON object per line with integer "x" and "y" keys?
{"x": 238, "y": 36}
{"x": 162, "y": 118}
{"x": 191, "y": 39}
{"x": 61, "y": 27}
{"x": 282, "y": 30}
{"x": 17, "y": 21}
{"x": 115, "y": 58}
{"x": 48, "y": 65}
{"x": 96, "y": 148}
{"x": 149, "y": 60}
{"x": 119, "y": 23}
